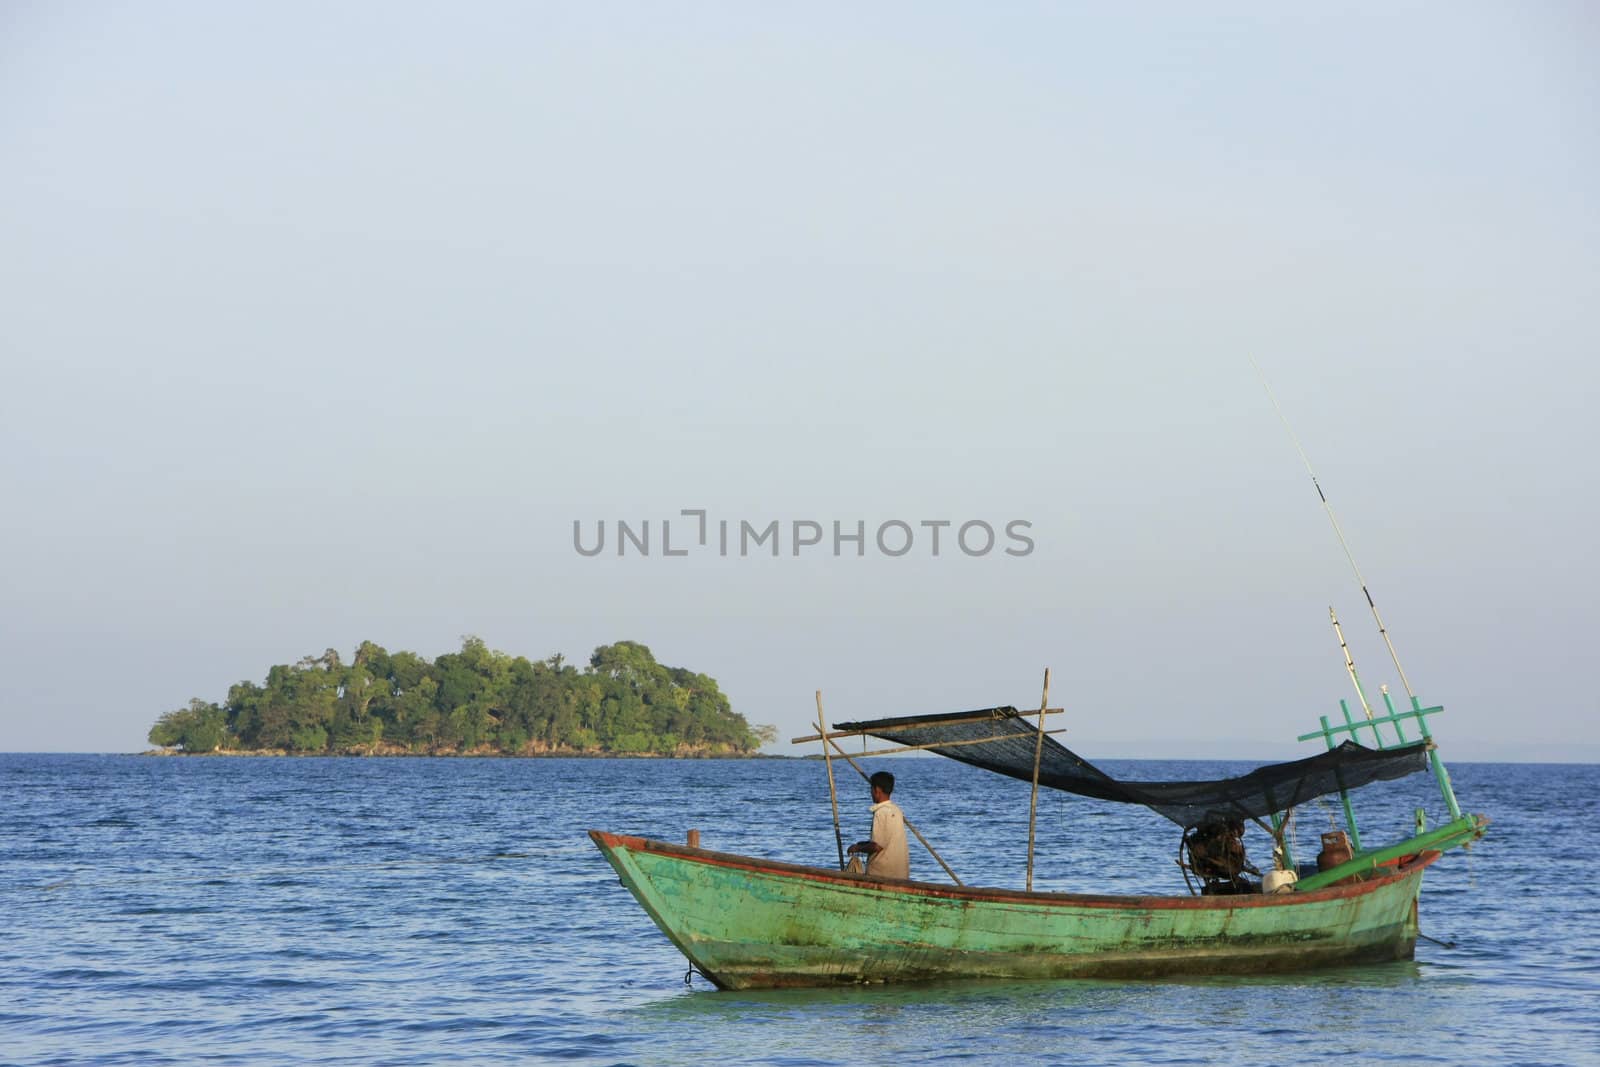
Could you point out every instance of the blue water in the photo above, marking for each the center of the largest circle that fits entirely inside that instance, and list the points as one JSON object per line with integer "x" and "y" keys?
{"x": 346, "y": 911}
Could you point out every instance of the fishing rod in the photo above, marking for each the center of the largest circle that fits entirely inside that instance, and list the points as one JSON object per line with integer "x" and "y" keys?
{"x": 1338, "y": 532}
{"x": 1350, "y": 664}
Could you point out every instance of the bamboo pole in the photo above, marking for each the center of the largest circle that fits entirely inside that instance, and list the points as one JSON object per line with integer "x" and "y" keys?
{"x": 937, "y": 744}
{"x": 1038, "y": 753}
{"x": 833, "y": 791}
{"x": 952, "y": 721}
{"x": 931, "y": 850}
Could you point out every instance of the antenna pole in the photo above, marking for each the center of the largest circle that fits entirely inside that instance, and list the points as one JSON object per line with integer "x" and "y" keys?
{"x": 1338, "y": 532}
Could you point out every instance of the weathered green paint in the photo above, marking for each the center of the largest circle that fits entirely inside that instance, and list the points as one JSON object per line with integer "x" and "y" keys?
{"x": 1350, "y": 722}
{"x": 1462, "y": 831}
{"x": 1394, "y": 718}
{"x": 1344, "y": 794}
{"x": 1388, "y": 702}
{"x": 1440, "y": 775}
{"x": 752, "y": 923}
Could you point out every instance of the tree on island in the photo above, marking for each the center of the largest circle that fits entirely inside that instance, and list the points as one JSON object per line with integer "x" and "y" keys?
{"x": 200, "y": 727}
{"x": 472, "y": 701}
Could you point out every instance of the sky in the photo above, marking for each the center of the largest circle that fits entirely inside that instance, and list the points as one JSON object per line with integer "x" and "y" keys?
{"x": 326, "y": 323}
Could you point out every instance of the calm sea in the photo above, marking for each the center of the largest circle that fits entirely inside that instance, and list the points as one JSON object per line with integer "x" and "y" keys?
{"x": 346, "y": 911}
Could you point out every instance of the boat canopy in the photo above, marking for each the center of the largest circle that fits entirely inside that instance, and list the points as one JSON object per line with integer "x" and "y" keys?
{"x": 1003, "y": 740}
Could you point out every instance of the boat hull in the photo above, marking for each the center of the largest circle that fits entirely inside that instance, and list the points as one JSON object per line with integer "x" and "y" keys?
{"x": 748, "y": 923}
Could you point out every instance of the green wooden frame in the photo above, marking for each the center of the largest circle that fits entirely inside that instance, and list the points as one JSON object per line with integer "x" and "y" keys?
{"x": 1461, "y": 830}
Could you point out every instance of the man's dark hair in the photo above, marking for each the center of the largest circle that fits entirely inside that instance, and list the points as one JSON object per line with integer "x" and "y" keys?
{"x": 884, "y": 781}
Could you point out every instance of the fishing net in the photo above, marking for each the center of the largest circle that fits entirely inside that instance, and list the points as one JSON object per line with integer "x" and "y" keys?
{"x": 1002, "y": 740}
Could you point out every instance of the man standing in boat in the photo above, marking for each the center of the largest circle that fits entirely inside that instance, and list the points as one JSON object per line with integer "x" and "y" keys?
{"x": 886, "y": 852}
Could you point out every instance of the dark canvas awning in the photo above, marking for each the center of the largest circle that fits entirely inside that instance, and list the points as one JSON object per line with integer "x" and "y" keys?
{"x": 1273, "y": 788}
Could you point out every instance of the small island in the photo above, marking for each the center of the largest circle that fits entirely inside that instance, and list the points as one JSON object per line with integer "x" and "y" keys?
{"x": 475, "y": 702}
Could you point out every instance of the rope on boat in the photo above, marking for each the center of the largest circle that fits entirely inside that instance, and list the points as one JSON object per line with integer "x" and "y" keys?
{"x": 1436, "y": 941}
{"x": 691, "y": 972}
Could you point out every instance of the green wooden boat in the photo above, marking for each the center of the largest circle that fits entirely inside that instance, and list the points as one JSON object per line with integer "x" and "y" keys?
{"x": 748, "y": 923}
{"x": 751, "y": 923}
{"x": 759, "y": 924}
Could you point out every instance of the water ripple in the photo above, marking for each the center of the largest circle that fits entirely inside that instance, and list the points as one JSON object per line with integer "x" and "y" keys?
{"x": 333, "y": 912}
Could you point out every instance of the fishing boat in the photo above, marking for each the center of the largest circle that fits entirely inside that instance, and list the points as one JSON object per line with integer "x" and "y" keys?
{"x": 751, "y": 923}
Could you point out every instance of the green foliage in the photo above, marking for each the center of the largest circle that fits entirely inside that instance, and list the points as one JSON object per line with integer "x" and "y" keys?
{"x": 474, "y": 700}
{"x": 200, "y": 727}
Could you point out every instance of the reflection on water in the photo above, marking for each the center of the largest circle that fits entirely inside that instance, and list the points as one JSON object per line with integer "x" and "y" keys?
{"x": 1156, "y": 1022}
{"x": 703, "y": 1002}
